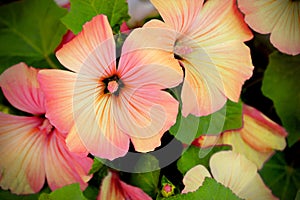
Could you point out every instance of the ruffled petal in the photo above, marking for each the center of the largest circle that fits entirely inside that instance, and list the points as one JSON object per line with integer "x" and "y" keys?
{"x": 63, "y": 167}
{"x": 234, "y": 139}
{"x": 113, "y": 188}
{"x": 177, "y": 13}
{"x": 21, "y": 154}
{"x": 92, "y": 51}
{"x": 232, "y": 170}
{"x": 21, "y": 88}
{"x": 145, "y": 114}
{"x": 58, "y": 86}
{"x": 260, "y": 132}
{"x": 194, "y": 178}
{"x": 94, "y": 120}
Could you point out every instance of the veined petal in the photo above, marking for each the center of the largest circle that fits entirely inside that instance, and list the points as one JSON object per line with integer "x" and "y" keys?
{"x": 232, "y": 170}
{"x": 94, "y": 120}
{"x": 218, "y": 22}
{"x": 145, "y": 114}
{"x": 74, "y": 142}
{"x": 262, "y": 15}
{"x": 21, "y": 154}
{"x": 260, "y": 132}
{"x": 21, "y": 88}
{"x": 177, "y": 13}
{"x": 280, "y": 18}
{"x": 234, "y": 139}
{"x": 194, "y": 178}
{"x": 256, "y": 189}
{"x": 92, "y": 51}
{"x": 286, "y": 34}
{"x": 113, "y": 188}
{"x": 64, "y": 167}
{"x": 200, "y": 92}
{"x": 58, "y": 86}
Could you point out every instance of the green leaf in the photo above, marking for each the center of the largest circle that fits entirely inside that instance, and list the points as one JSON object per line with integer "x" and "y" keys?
{"x": 7, "y": 195}
{"x": 210, "y": 190}
{"x": 282, "y": 179}
{"x": 191, "y": 127}
{"x": 30, "y": 30}
{"x": 146, "y": 181}
{"x": 281, "y": 85}
{"x": 194, "y": 156}
{"x": 84, "y": 10}
{"x": 97, "y": 165}
{"x": 68, "y": 192}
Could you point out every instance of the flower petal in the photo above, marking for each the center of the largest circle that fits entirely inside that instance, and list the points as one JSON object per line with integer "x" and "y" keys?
{"x": 256, "y": 189}
{"x": 93, "y": 49}
{"x": 63, "y": 167}
{"x": 286, "y": 34}
{"x": 194, "y": 178}
{"x": 92, "y": 106}
{"x": 21, "y": 154}
{"x": 232, "y": 170}
{"x": 74, "y": 142}
{"x": 280, "y": 18}
{"x": 58, "y": 86}
{"x": 234, "y": 139}
{"x": 145, "y": 114}
{"x": 200, "y": 92}
{"x": 113, "y": 188}
{"x": 260, "y": 132}
{"x": 177, "y": 13}
{"x": 20, "y": 86}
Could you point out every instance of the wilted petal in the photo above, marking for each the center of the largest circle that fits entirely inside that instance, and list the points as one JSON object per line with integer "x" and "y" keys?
{"x": 260, "y": 132}
{"x": 235, "y": 171}
{"x": 58, "y": 86}
{"x": 113, "y": 188}
{"x": 194, "y": 178}
{"x": 234, "y": 139}
{"x": 280, "y": 18}
{"x": 21, "y": 88}
{"x": 92, "y": 51}
{"x": 64, "y": 167}
{"x": 21, "y": 154}
{"x": 177, "y": 13}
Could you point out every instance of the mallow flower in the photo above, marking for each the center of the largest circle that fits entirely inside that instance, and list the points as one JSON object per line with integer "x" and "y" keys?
{"x": 31, "y": 147}
{"x": 112, "y": 104}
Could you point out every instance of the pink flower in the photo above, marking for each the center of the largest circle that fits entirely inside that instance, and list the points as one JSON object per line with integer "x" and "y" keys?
{"x": 257, "y": 139}
{"x": 31, "y": 147}
{"x": 278, "y": 17}
{"x": 234, "y": 171}
{"x": 113, "y": 188}
{"x": 112, "y": 105}
{"x": 207, "y": 39}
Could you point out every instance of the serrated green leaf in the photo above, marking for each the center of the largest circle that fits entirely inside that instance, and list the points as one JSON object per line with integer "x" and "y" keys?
{"x": 191, "y": 127}
{"x": 194, "y": 156}
{"x": 30, "y": 30}
{"x": 68, "y": 192}
{"x": 7, "y": 195}
{"x": 97, "y": 165}
{"x": 282, "y": 179}
{"x": 148, "y": 181}
{"x": 210, "y": 190}
{"x": 281, "y": 85}
{"x": 84, "y": 10}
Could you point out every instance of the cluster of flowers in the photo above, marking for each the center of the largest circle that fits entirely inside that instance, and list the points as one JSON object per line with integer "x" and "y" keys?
{"x": 103, "y": 103}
